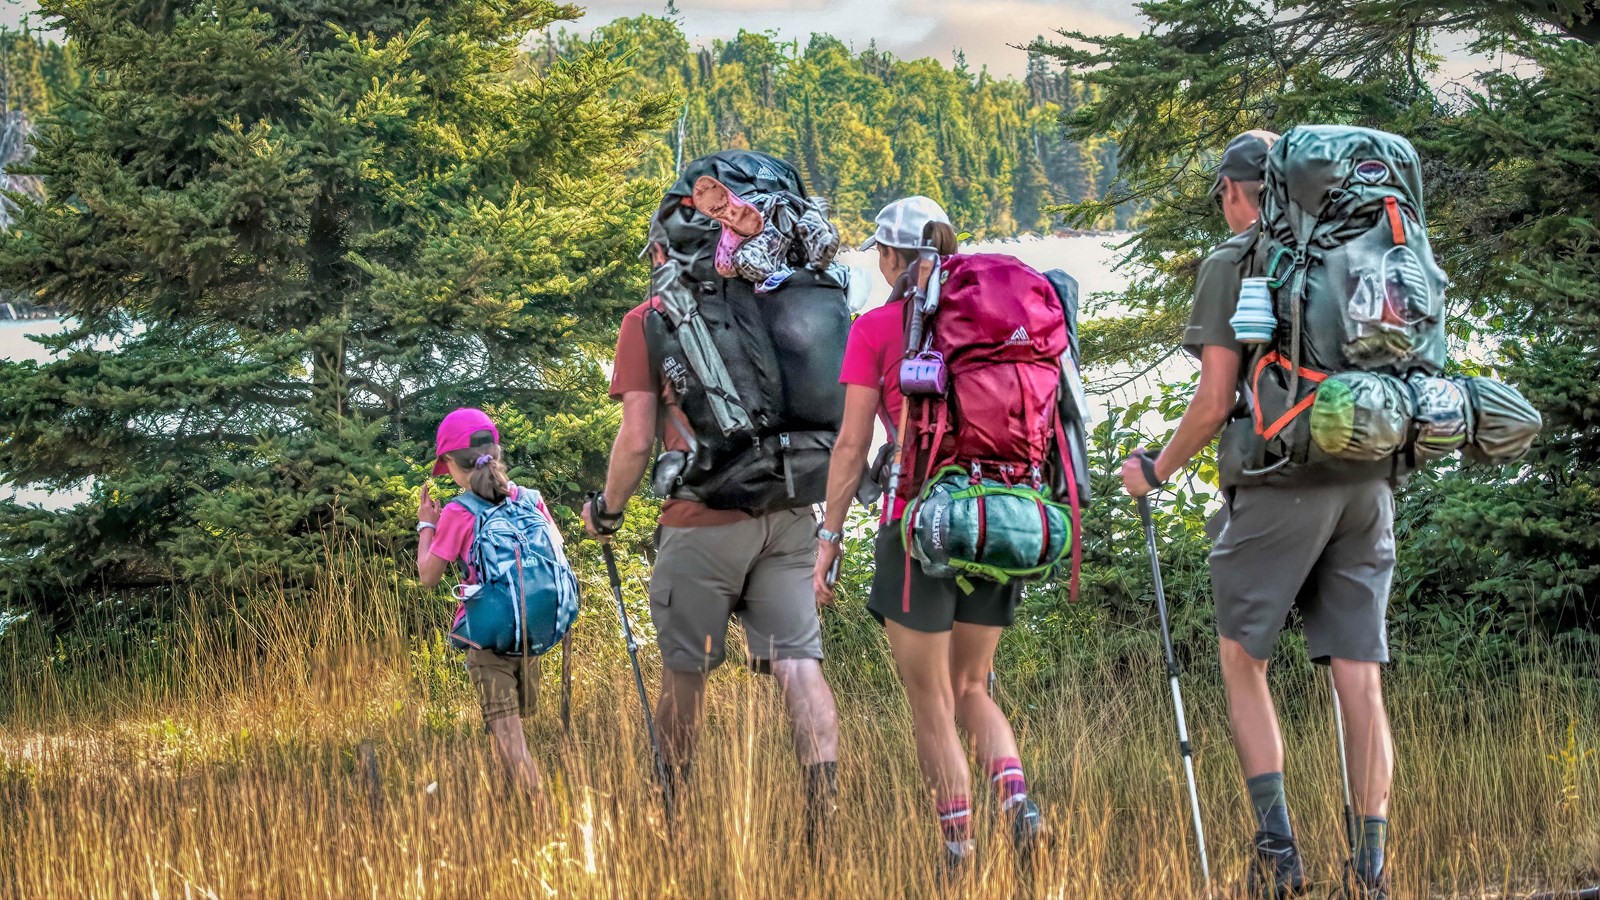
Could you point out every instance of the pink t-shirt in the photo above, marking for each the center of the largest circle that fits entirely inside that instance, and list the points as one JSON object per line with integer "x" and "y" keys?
{"x": 453, "y": 538}
{"x": 872, "y": 359}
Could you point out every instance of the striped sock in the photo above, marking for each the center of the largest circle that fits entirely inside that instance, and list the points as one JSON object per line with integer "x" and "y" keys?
{"x": 955, "y": 823}
{"x": 1009, "y": 784}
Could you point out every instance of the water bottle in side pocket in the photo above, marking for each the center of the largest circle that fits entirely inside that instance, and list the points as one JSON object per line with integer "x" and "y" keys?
{"x": 1253, "y": 322}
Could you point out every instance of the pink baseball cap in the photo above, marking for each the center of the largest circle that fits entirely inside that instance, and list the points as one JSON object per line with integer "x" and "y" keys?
{"x": 457, "y": 431}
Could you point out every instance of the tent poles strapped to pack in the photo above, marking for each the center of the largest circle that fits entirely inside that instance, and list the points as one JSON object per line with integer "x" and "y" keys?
{"x": 1177, "y": 693}
{"x": 1344, "y": 762}
{"x": 638, "y": 678}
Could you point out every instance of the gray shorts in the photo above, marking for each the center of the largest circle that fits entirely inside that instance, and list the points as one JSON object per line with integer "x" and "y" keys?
{"x": 1327, "y": 549}
{"x": 756, "y": 569}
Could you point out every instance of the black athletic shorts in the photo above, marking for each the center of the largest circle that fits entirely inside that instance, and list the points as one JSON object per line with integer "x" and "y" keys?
{"x": 935, "y": 603}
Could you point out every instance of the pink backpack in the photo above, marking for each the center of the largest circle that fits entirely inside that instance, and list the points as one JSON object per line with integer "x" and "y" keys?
{"x": 983, "y": 421}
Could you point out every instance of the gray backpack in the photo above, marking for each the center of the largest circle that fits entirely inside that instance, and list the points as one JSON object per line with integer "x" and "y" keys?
{"x": 1351, "y": 385}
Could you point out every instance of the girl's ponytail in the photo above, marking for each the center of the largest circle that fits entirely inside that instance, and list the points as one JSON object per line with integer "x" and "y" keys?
{"x": 488, "y": 479}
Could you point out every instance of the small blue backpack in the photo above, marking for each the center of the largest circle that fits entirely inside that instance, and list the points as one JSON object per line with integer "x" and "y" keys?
{"x": 526, "y": 597}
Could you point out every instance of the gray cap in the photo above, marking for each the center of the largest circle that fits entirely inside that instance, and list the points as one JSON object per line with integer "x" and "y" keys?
{"x": 901, "y": 223}
{"x": 1245, "y": 159}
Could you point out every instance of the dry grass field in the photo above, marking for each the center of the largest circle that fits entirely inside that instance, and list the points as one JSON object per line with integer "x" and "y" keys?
{"x": 276, "y": 752}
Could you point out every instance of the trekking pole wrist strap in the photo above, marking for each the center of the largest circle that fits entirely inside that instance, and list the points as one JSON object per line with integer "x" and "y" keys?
{"x": 1148, "y": 465}
{"x": 605, "y": 521}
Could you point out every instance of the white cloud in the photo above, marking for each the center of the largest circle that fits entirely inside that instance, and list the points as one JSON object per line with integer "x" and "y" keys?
{"x": 986, "y": 32}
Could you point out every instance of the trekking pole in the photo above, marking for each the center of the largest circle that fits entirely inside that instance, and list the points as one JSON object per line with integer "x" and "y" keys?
{"x": 1177, "y": 694}
{"x": 566, "y": 681}
{"x": 1344, "y": 763}
{"x": 638, "y": 676}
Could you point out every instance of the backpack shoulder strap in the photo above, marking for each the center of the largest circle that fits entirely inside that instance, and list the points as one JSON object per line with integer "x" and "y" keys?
{"x": 527, "y": 495}
{"x": 473, "y": 504}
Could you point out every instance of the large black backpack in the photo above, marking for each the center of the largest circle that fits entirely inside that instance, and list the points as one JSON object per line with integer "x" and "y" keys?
{"x": 783, "y": 351}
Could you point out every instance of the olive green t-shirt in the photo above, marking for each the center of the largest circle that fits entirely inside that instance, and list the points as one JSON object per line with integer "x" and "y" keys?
{"x": 1216, "y": 296}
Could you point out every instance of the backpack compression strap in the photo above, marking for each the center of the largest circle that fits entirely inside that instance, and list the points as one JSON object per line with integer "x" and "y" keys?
{"x": 1073, "y": 503}
{"x": 1294, "y": 412}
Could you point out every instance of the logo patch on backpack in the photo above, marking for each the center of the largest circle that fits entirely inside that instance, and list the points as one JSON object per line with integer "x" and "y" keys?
{"x": 1020, "y": 336}
{"x": 1372, "y": 172}
{"x": 677, "y": 374}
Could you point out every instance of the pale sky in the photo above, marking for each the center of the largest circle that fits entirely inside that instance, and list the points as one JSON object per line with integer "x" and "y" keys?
{"x": 984, "y": 29}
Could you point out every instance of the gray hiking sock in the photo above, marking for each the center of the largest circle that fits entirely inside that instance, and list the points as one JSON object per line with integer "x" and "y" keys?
{"x": 1368, "y": 850}
{"x": 1272, "y": 807}
{"x": 822, "y": 792}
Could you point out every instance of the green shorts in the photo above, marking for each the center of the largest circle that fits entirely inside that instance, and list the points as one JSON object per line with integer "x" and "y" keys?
{"x": 1326, "y": 549}
{"x": 757, "y": 569}
{"x": 506, "y": 685}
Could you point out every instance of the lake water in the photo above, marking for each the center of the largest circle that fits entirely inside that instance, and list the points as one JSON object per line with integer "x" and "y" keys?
{"x": 14, "y": 345}
{"x": 1089, "y": 258}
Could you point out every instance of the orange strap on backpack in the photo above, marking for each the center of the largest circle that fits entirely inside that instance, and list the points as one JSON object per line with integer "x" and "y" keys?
{"x": 1397, "y": 225}
{"x": 1271, "y": 431}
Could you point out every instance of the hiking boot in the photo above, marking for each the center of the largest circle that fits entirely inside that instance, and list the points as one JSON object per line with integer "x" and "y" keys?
{"x": 1276, "y": 871}
{"x": 955, "y": 869}
{"x": 818, "y": 238}
{"x": 1027, "y": 830}
{"x": 762, "y": 255}
{"x": 728, "y": 245}
{"x": 740, "y": 220}
{"x": 1357, "y": 886}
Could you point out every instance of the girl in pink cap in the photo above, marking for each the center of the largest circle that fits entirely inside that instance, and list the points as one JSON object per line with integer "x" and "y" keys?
{"x": 468, "y": 450}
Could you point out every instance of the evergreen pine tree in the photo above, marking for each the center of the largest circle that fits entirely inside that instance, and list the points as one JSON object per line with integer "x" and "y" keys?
{"x": 292, "y": 235}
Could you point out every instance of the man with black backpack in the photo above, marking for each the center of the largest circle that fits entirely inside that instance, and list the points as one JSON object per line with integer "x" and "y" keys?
{"x": 732, "y": 365}
{"x": 1326, "y": 545}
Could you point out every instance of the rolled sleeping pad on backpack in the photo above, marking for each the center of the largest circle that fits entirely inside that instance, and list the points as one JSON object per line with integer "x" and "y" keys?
{"x": 1361, "y": 416}
{"x": 990, "y": 530}
{"x": 1367, "y": 416}
{"x": 691, "y": 234}
{"x": 1504, "y": 423}
{"x": 1442, "y": 416}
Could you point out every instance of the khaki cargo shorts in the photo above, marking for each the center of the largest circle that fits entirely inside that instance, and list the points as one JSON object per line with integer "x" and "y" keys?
{"x": 506, "y": 685}
{"x": 1326, "y": 549}
{"x": 758, "y": 569}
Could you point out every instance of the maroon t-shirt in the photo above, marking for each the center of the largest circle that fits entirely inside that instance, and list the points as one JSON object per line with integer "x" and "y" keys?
{"x": 631, "y": 373}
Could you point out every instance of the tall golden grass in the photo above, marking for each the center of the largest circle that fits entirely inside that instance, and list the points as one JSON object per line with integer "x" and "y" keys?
{"x": 319, "y": 749}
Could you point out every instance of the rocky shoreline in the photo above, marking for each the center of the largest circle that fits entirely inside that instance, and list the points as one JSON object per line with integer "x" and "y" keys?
{"x": 19, "y": 312}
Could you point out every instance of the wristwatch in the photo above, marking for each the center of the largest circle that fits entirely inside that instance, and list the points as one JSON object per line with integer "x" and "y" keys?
{"x": 832, "y": 537}
{"x": 427, "y": 526}
{"x": 606, "y": 522}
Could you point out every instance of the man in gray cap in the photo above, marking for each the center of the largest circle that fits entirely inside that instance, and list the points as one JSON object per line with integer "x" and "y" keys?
{"x": 1326, "y": 548}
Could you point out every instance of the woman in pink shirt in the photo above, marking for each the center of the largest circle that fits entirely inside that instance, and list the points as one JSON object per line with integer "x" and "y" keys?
{"x": 943, "y": 638}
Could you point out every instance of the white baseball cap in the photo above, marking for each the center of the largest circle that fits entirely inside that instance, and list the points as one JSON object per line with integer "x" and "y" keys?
{"x": 901, "y": 223}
